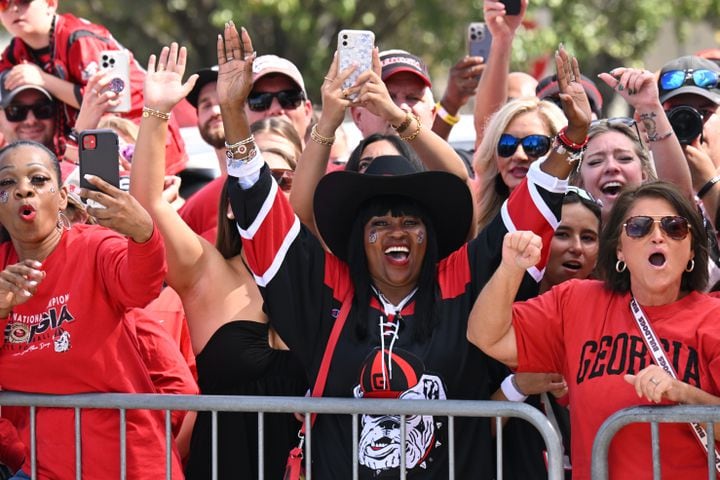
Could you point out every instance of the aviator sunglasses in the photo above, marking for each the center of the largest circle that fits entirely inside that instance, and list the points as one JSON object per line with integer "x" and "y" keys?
{"x": 533, "y": 145}
{"x": 289, "y": 99}
{"x": 5, "y": 4}
{"x": 674, "y": 226}
{"x": 702, "y": 78}
{"x": 18, "y": 113}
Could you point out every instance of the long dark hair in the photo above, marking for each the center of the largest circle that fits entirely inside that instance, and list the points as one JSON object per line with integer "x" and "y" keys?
{"x": 353, "y": 163}
{"x": 227, "y": 241}
{"x": 425, "y": 305}
{"x": 610, "y": 236}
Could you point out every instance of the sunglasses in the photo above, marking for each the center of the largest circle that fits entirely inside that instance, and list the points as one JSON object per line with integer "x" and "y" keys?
{"x": 533, "y": 145}
{"x": 289, "y": 99}
{"x": 700, "y": 78}
{"x": 617, "y": 121}
{"x": 582, "y": 193}
{"x": 5, "y": 4}
{"x": 284, "y": 178}
{"x": 674, "y": 226}
{"x": 18, "y": 113}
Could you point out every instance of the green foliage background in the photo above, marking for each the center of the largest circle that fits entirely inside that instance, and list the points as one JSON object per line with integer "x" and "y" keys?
{"x": 602, "y": 33}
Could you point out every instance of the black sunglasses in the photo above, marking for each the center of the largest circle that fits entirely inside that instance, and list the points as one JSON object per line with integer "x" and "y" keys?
{"x": 18, "y": 113}
{"x": 674, "y": 226}
{"x": 533, "y": 145}
{"x": 5, "y": 4}
{"x": 289, "y": 99}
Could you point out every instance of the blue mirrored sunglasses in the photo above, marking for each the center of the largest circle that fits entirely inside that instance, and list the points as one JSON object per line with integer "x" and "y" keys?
{"x": 702, "y": 78}
{"x": 533, "y": 145}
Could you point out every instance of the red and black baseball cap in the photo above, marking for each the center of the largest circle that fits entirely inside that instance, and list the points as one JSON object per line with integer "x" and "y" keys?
{"x": 396, "y": 61}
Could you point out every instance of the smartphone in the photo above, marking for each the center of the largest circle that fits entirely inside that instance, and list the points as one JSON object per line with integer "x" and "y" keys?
{"x": 355, "y": 47}
{"x": 478, "y": 40}
{"x": 512, "y": 7}
{"x": 98, "y": 150}
{"x": 117, "y": 62}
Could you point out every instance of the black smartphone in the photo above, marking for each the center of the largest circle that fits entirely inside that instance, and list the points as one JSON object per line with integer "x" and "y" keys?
{"x": 98, "y": 150}
{"x": 479, "y": 40}
{"x": 512, "y": 7}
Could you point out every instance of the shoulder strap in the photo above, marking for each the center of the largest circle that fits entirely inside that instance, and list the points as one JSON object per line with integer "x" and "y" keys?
{"x": 321, "y": 380}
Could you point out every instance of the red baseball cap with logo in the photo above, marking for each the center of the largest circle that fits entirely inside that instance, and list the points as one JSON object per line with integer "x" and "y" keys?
{"x": 396, "y": 61}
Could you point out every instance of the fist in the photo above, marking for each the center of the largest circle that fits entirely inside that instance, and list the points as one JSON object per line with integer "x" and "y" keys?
{"x": 521, "y": 249}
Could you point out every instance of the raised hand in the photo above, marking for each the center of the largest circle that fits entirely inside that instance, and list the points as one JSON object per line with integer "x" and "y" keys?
{"x": 18, "y": 284}
{"x": 335, "y": 99}
{"x": 637, "y": 87}
{"x": 521, "y": 250}
{"x": 235, "y": 60}
{"x": 97, "y": 100}
{"x": 463, "y": 81}
{"x": 372, "y": 93}
{"x": 119, "y": 210}
{"x": 575, "y": 103}
{"x": 163, "y": 83}
{"x": 501, "y": 25}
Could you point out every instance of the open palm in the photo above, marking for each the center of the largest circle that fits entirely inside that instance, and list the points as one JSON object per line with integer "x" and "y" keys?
{"x": 235, "y": 58}
{"x": 163, "y": 84}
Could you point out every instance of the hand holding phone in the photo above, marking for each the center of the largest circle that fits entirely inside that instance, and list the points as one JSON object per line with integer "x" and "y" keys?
{"x": 117, "y": 62}
{"x": 512, "y": 7}
{"x": 479, "y": 40}
{"x": 355, "y": 47}
{"x": 98, "y": 151}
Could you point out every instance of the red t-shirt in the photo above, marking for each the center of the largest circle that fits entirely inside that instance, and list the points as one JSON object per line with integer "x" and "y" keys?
{"x": 200, "y": 211}
{"x": 590, "y": 335}
{"x": 71, "y": 337}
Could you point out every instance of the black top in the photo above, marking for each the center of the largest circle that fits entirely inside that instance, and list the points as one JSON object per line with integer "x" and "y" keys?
{"x": 238, "y": 360}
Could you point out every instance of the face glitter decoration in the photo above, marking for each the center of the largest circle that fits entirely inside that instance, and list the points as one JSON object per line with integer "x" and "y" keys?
{"x": 52, "y": 189}
{"x": 421, "y": 237}
{"x": 372, "y": 238}
{"x": 4, "y": 196}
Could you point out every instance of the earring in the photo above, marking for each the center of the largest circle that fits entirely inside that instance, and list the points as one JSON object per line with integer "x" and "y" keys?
{"x": 63, "y": 221}
{"x": 421, "y": 237}
{"x": 620, "y": 266}
{"x": 372, "y": 238}
{"x": 690, "y": 266}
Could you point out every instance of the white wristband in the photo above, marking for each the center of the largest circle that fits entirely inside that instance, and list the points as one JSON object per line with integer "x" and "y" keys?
{"x": 511, "y": 391}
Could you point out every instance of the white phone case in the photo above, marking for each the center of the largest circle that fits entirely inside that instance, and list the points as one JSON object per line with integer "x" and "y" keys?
{"x": 118, "y": 62}
{"x": 355, "y": 47}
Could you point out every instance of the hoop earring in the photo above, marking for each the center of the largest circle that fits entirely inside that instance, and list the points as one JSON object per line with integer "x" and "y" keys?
{"x": 620, "y": 266}
{"x": 63, "y": 221}
{"x": 690, "y": 266}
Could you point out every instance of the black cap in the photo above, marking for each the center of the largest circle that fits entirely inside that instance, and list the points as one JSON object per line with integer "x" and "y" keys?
{"x": 205, "y": 76}
{"x": 7, "y": 96}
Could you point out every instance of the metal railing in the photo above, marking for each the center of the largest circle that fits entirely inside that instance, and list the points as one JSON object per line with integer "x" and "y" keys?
{"x": 702, "y": 414}
{"x": 263, "y": 405}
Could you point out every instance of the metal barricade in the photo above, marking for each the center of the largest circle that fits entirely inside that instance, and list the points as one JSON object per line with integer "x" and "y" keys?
{"x": 263, "y": 405}
{"x": 703, "y": 414}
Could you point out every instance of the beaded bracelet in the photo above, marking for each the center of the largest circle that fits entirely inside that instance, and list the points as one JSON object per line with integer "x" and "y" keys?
{"x": 322, "y": 140}
{"x": 151, "y": 112}
{"x": 413, "y": 136}
{"x": 238, "y": 148}
{"x": 569, "y": 144}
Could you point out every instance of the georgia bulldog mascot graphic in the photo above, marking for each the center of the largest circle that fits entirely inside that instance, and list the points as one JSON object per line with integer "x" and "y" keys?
{"x": 397, "y": 373}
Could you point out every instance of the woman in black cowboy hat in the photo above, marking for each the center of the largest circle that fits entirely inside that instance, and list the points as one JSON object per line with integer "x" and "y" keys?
{"x": 400, "y": 266}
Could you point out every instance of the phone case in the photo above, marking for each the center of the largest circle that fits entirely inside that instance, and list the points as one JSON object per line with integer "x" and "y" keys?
{"x": 98, "y": 150}
{"x": 118, "y": 62}
{"x": 355, "y": 47}
{"x": 479, "y": 40}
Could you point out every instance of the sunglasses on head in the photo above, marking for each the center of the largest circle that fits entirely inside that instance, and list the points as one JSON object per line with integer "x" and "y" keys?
{"x": 5, "y": 4}
{"x": 616, "y": 121}
{"x": 674, "y": 226}
{"x": 18, "y": 113}
{"x": 288, "y": 99}
{"x": 582, "y": 193}
{"x": 700, "y": 78}
{"x": 533, "y": 145}
{"x": 284, "y": 178}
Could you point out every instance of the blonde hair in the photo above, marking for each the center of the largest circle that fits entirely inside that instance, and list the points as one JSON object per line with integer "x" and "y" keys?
{"x": 490, "y": 188}
{"x": 120, "y": 125}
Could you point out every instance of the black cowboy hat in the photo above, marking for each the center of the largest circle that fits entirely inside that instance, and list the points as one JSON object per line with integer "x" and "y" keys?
{"x": 445, "y": 198}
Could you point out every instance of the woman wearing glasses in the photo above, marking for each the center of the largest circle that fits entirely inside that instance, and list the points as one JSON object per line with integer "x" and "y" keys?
{"x": 651, "y": 254}
{"x": 236, "y": 352}
{"x": 619, "y": 155}
{"x": 519, "y": 133}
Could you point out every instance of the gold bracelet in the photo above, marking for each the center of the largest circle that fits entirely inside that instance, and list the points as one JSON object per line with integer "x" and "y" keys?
{"x": 405, "y": 124}
{"x": 151, "y": 112}
{"x": 239, "y": 148}
{"x": 317, "y": 138}
{"x": 413, "y": 136}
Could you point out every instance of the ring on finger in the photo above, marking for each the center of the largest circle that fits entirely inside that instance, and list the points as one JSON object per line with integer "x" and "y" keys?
{"x": 329, "y": 79}
{"x": 654, "y": 382}
{"x": 229, "y": 59}
{"x": 345, "y": 93}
